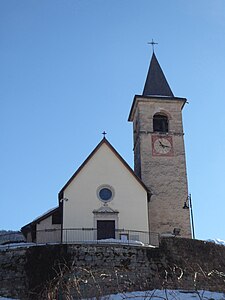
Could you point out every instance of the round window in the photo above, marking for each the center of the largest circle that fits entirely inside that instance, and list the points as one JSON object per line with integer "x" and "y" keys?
{"x": 105, "y": 193}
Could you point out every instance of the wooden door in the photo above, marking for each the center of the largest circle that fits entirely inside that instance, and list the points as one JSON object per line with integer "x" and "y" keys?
{"x": 105, "y": 229}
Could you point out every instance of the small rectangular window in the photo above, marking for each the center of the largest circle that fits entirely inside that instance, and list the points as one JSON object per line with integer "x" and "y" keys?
{"x": 56, "y": 217}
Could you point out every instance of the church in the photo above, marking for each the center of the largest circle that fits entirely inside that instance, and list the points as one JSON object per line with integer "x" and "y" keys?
{"x": 106, "y": 199}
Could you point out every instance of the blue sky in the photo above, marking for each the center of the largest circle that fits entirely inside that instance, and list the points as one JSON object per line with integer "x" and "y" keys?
{"x": 70, "y": 69}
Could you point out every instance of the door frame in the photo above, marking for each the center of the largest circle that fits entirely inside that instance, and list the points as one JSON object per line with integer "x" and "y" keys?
{"x": 106, "y": 216}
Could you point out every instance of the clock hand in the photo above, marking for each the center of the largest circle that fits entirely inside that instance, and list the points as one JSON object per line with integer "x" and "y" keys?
{"x": 161, "y": 144}
{"x": 164, "y": 146}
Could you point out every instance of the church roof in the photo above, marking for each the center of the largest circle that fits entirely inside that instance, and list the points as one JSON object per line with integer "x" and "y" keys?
{"x": 156, "y": 83}
{"x": 40, "y": 218}
{"x": 104, "y": 140}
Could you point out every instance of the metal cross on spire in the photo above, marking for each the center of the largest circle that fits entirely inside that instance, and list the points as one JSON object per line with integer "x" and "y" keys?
{"x": 104, "y": 134}
{"x": 152, "y": 43}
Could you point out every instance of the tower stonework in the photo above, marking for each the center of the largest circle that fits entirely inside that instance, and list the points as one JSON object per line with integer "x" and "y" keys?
{"x": 159, "y": 153}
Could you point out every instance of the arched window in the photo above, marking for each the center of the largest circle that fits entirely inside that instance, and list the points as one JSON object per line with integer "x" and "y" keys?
{"x": 160, "y": 123}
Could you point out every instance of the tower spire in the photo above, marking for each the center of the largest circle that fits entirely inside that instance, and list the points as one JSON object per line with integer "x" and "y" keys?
{"x": 156, "y": 83}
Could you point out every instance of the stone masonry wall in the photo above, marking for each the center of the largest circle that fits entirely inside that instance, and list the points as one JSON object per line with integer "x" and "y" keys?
{"x": 88, "y": 270}
{"x": 165, "y": 176}
{"x": 13, "y": 278}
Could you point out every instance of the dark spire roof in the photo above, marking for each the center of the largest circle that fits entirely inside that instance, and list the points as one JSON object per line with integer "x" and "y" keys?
{"x": 156, "y": 83}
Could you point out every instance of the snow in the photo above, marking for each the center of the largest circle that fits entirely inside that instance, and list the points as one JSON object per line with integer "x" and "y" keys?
{"x": 16, "y": 245}
{"x": 106, "y": 241}
{"x": 217, "y": 241}
{"x": 166, "y": 295}
{"x": 3, "y": 298}
{"x": 116, "y": 241}
{"x": 160, "y": 294}
{"x": 47, "y": 212}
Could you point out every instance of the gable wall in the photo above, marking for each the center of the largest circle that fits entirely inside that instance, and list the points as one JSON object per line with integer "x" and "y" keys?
{"x": 53, "y": 233}
{"x": 130, "y": 198}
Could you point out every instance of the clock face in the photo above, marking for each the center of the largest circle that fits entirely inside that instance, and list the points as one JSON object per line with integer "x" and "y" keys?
{"x": 162, "y": 146}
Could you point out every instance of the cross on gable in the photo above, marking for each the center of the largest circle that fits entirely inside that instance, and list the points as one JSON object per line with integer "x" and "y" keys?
{"x": 104, "y": 134}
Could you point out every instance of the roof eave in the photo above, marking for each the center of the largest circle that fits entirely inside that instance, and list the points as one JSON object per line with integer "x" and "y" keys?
{"x": 44, "y": 216}
{"x": 155, "y": 97}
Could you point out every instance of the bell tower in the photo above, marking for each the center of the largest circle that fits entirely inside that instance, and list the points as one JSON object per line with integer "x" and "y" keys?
{"x": 159, "y": 153}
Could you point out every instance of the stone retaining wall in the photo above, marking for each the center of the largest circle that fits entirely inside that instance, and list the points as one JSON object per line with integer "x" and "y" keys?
{"x": 88, "y": 270}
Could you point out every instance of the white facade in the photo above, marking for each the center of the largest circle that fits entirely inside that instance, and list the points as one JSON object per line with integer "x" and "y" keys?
{"x": 82, "y": 207}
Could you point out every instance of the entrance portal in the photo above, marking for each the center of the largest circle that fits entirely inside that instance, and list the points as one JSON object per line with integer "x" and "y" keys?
{"x": 105, "y": 229}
